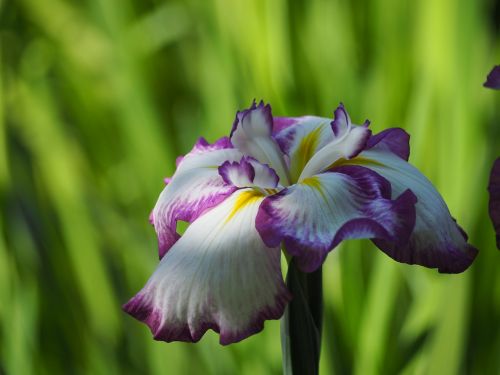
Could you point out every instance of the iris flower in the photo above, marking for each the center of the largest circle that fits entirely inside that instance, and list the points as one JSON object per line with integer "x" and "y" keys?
{"x": 493, "y": 79}
{"x": 300, "y": 184}
{"x": 494, "y": 190}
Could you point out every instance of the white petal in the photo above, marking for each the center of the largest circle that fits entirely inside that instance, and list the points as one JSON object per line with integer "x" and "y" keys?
{"x": 219, "y": 275}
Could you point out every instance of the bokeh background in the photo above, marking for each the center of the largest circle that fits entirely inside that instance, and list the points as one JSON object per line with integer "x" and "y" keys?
{"x": 98, "y": 97}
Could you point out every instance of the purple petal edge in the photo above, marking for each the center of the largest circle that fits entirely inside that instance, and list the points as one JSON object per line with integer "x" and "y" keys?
{"x": 395, "y": 140}
{"x": 202, "y": 145}
{"x": 493, "y": 79}
{"x": 280, "y": 123}
{"x": 188, "y": 212}
{"x": 243, "y": 167}
{"x": 340, "y": 115}
{"x": 142, "y": 310}
{"x": 371, "y": 227}
{"x": 240, "y": 115}
{"x": 454, "y": 260}
{"x": 494, "y": 203}
{"x": 361, "y": 145}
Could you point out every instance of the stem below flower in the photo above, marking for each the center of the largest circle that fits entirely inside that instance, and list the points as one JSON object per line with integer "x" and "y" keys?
{"x": 301, "y": 325}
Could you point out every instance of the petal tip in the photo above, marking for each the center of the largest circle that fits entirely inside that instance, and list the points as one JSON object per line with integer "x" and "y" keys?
{"x": 493, "y": 79}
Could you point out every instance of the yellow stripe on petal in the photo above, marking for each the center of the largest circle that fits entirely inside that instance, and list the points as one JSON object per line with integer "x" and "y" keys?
{"x": 244, "y": 199}
{"x": 358, "y": 160}
{"x": 306, "y": 150}
{"x": 314, "y": 183}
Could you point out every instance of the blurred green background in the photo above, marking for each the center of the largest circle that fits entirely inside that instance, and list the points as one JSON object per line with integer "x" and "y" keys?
{"x": 98, "y": 97}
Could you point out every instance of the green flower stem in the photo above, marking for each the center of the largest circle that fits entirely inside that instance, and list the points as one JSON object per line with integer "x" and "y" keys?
{"x": 301, "y": 325}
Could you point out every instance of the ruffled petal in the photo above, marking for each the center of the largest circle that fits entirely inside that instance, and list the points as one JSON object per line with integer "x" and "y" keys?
{"x": 252, "y": 135}
{"x": 302, "y": 140}
{"x": 494, "y": 205}
{"x": 195, "y": 187}
{"x": 347, "y": 146}
{"x": 202, "y": 146}
{"x": 249, "y": 172}
{"x": 219, "y": 275}
{"x": 239, "y": 174}
{"x": 395, "y": 140}
{"x": 493, "y": 79}
{"x": 313, "y": 216}
{"x": 265, "y": 176}
{"x": 437, "y": 241}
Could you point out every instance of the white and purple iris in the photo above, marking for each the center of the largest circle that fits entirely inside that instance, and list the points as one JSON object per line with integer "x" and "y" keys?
{"x": 302, "y": 184}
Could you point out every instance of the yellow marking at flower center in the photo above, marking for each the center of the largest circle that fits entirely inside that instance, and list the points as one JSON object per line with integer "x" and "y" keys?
{"x": 243, "y": 200}
{"x": 306, "y": 149}
{"x": 314, "y": 183}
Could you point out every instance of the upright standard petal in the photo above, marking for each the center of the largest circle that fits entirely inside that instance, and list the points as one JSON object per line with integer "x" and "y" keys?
{"x": 493, "y": 79}
{"x": 349, "y": 141}
{"x": 195, "y": 187}
{"x": 219, "y": 275}
{"x": 437, "y": 241}
{"x": 494, "y": 205}
{"x": 313, "y": 216}
{"x": 302, "y": 140}
{"x": 252, "y": 135}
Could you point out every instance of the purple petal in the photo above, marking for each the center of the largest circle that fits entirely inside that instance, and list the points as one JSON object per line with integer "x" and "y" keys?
{"x": 494, "y": 205}
{"x": 342, "y": 121}
{"x": 493, "y": 79}
{"x": 395, "y": 140}
{"x": 281, "y": 123}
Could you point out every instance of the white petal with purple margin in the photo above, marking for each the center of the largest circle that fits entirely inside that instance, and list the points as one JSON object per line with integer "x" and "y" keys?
{"x": 349, "y": 140}
{"x": 313, "y": 216}
{"x": 252, "y": 135}
{"x": 219, "y": 275}
{"x": 248, "y": 172}
{"x": 437, "y": 241}
{"x": 195, "y": 187}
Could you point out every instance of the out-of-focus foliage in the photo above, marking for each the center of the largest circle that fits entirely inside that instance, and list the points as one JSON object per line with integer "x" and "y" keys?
{"x": 98, "y": 97}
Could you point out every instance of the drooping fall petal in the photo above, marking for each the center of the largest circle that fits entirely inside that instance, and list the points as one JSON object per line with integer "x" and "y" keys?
{"x": 313, "y": 216}
{"x": 219, "y": 275}
{"x": 436, "y": 241}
